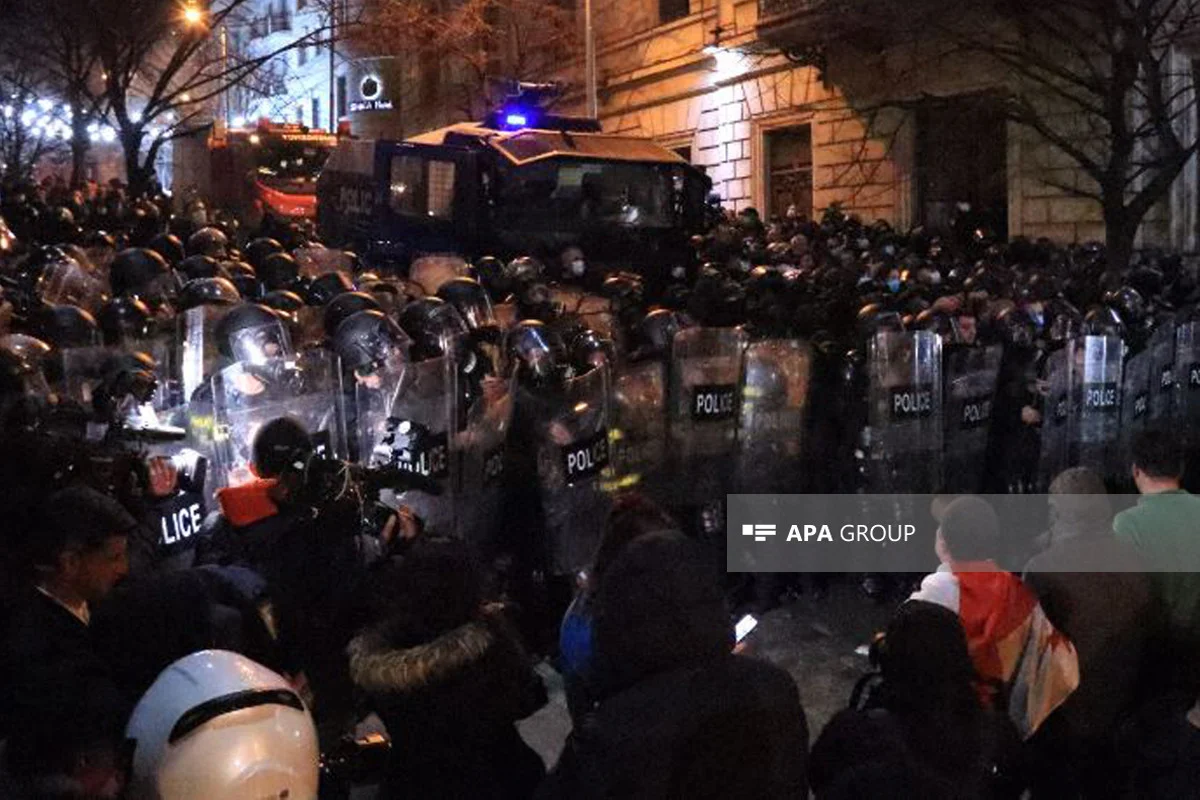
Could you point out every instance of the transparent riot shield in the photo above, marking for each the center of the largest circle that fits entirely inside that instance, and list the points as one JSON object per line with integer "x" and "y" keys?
{"x": 1162, "y": 374}
{"x": 196, "y": 356}
{"x": 68, "y": 282}
{"x": 404, "y": 419}
{"x": 639, "y": 429}
{"x": 1096, "y": 403}
{"x": 248, "y": 395}
{"x": 1187, "y": 379}
{"x": 428, "y": 273}
{"x": 970, "y": 375}
{"x": 592, "y": 311}
{"x": 507, "y": 315}
{"x": 481, "y": 446}
{"x": 1138, "y": 386}
{"x": 706, "y": 374}
{"x": 1056, "y": 416}
{"x": 775, "y": 394}
{"x": 315, "y": 260}
{"x": 904, "y": 414}
{"x": 83, "y": 370}
{"x": 572, "y": 457}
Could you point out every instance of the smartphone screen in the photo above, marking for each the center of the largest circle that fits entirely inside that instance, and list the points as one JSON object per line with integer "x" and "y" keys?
{"x": 744, "y": 626}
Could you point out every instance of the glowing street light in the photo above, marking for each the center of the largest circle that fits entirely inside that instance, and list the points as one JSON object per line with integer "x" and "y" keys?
{"x": 193, "y": 16}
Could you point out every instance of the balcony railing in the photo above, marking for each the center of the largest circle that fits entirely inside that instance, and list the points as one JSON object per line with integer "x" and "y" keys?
{"x": 807, "y": 23}
{"x": 776, "y": 8}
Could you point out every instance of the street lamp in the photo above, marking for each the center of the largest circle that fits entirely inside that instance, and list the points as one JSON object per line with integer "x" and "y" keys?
{"x": 193, "y": 16}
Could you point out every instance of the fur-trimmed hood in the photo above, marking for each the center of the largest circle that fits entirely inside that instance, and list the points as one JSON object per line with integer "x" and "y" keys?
{"x": 377, "y": 667}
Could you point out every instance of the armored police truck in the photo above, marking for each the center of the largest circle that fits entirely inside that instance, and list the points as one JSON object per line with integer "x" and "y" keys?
{"x": 514, "y": 184}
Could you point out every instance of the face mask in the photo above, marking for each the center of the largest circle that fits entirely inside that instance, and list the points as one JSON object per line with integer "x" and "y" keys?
{"x": 678, "y": 273}
{"x": 578, "y": 267}
{"x": 893, "y": 285}
{"x": 935, "y": 278}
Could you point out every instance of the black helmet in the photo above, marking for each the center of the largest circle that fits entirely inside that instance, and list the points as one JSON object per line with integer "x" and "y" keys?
{"x": 277, "y": 271}
{"x": 208, "y": 292}
{"x": 367, "y": 340}
{"x": 589, "y": 350}
{"x": 435, "y": 326}
{"x": 243, "y": 277}
{"x": 656, "y": 333}
{"x": 470, "y": 299}
{"x": 1015, "y": 327}
{"x": 535, "y": 350}
{"x": 490, "y": 272}
{"x": 251, "y": 332}
{"x": 169, "y": 247}
{"x": 873, "y": 318}
{"x": 211, "y": 242}
{"x": 57, "y": 226}
{"x": 65, "y": 327}
{"x": 325, "y": 287}
{"x": 1128, "y": 303}
{"x": 136, "y": 269}
{"x": 521, "y": 271}
{"x": 258, "y": 250}
{"x": 283, "y": 301}
{"x": 22, "y": 359}
{"x": 194, "y": 267}
{"x": 344, "y": 305}
{"x": 122, "y": 319}
{"x": 1103, "y": 321}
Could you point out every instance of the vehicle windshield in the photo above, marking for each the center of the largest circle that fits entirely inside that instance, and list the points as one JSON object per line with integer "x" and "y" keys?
{"x": 569, "y": 195}
{"x": 279, "y": 161}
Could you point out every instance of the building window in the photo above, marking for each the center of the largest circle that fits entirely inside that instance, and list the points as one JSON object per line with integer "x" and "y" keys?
{"x": 301, "y": 5}
{"x": 670, "y": 10}
{"x": 962, "y": 163}
{"x": 421, "y": 188}
{"x": 341, "y": 96}
{"x": 316, "y": 112}
{"x": 302, "y": 54}
{"x": 790, "y": 171}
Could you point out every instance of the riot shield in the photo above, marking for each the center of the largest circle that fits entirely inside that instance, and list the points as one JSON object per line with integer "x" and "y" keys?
{"x": 315, "y": 260}
{"x": 1162, "y": 374}
{"x": 573, "y": 455}
{"x": 481, "y": 456}
{"x": 904, "y": 413}
{"x": 1139, "y": 384}
{"x": 248, "y": 395}
{"x": 1187, "y": 380}
{"x": 639, "y": 429}
{"x": 1096, "y": 403}
{"x": 592, "y": 311}
{"x": 969, "y": 395}
{"x": 196, "y": 356}
{"x": 706, "y": 373}
{"x": 404, "y": 418}
{"x": 774, "y": 401}
{"x": 1056, "y": 416}
{"x": 507, "y": 314}
{"x": 428, "y": 273}
{"x": 68, "y": 282}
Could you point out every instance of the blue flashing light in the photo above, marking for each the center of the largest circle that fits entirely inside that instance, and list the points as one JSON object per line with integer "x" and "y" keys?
{"x": 515, "y": 120}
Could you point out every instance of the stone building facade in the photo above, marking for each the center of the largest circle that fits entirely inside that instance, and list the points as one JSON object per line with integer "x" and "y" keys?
{"x": 785, "y": 104}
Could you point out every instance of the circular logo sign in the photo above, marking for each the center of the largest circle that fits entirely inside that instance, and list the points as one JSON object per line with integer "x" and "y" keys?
{"x": 369, "y": 88}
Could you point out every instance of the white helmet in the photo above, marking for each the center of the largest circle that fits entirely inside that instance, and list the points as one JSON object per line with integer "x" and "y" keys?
{"x": 216, "y": 724}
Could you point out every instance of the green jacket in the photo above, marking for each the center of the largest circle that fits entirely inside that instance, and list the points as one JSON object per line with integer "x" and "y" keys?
{"x": 1165, "y": 529}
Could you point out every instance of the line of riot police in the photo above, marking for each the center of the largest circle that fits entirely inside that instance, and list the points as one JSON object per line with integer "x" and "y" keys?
{"x": 791, "y": 357}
